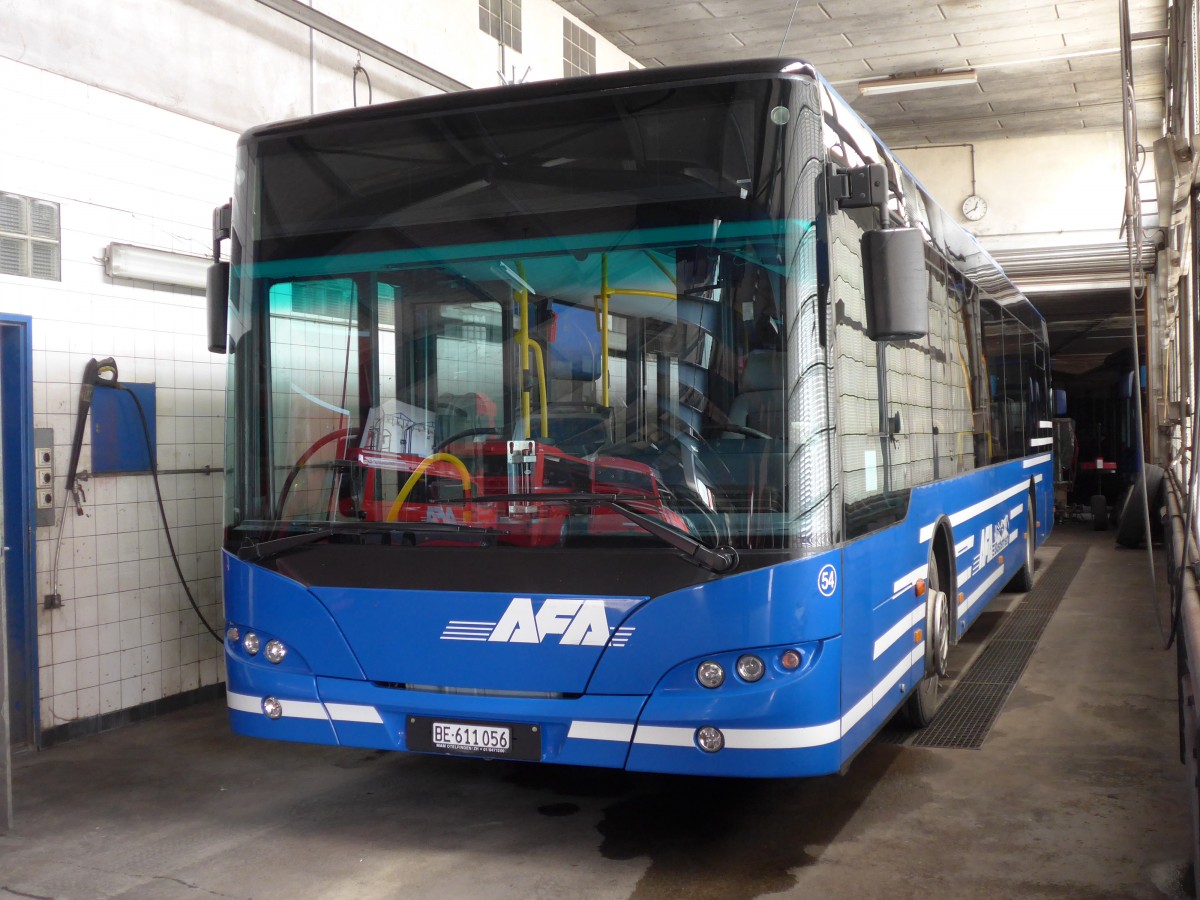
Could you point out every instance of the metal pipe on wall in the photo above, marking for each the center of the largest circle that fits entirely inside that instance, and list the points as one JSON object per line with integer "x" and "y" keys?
{"x": 340, "y": 31}
{"x": 1188, "y": 650}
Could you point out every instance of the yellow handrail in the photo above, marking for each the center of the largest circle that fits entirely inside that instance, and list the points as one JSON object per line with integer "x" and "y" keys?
{"x": 428, "y": 461}
{"x": 527, "y": 343}
{"x": 604, "y": 330}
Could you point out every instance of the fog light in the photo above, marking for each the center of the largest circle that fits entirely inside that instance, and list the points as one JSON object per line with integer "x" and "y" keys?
{"x": 710, "y": 739}
{"x": 749, "y": 667}
{"x": 232, "y": 634}
{"x": 710, "y": 674}
{"x": 790, "y": 659}
{"x": 250, "y": 643}
{"x": 272, "y": 707}
{"x": 275, "y": 651}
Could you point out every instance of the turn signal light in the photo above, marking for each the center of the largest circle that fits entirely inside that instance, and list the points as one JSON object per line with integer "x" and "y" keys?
{"x": 790, "y": 659}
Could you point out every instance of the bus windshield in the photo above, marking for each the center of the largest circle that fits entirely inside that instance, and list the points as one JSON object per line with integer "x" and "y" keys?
{"x": 653, "y": 360}
{"x": 648, "y": 366}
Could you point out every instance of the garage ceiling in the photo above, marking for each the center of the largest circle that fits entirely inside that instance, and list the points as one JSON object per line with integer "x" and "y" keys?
{"x": 1043, "y": 67}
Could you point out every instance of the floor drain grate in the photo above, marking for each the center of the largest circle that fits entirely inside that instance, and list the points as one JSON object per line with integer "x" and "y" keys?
{"x": 970, "y": 710}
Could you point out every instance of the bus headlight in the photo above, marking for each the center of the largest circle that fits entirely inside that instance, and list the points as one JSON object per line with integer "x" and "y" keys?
{"x": 272, "y": 707}
{"x": 749, "y": 667}
{"x": 710, "y": 674}
{"x": 250, "y": 643}
{"x": 275, "y": 651}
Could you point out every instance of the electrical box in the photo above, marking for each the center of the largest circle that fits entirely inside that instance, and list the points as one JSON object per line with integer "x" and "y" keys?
{"x": 119, "y": 441}
{"x": 43, "y": 476}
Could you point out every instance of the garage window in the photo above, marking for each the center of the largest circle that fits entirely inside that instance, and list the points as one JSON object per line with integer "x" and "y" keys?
{"x": 579, "y": 50}
{"x": 502, "y": 20}
{"x": 29, "y": 237}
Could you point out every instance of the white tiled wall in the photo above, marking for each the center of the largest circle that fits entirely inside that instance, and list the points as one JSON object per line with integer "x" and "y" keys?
{"x": 149, "y": 171}
{"x": 122, "y": 171}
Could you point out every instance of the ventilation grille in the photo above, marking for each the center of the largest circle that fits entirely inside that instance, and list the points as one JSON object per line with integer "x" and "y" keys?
{"x": 968, "y": 714}
{"x": 975, "y": 702}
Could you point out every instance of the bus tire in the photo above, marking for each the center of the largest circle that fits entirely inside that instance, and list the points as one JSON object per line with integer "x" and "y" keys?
{"x": 923, "y": 703}
{"x": 1131, "y": 524}
{"x": 1099, "y": 513}
{"x": 1022, "y": 581}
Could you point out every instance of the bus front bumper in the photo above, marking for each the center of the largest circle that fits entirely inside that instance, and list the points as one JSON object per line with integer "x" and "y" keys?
{"x": 781, "y": 727}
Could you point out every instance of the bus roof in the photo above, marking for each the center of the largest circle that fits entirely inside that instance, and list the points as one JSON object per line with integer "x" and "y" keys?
{"x": 914, "y": 204}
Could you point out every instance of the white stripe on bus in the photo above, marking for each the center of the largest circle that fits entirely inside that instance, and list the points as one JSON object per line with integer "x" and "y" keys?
{"x": 664, "y": 736}
{"x": 352, "y": 712}
{"x": 972, "y": 511}
{"x": 307, "y": 709}
{"x": 988, "y": 582}
{"x": 1040, "y": 442}
{"x": 1045, "y": 424}
{"x": 964, "y": 545}
{"x": 907, "y": 581}
{"x": 1035, "y": 460}
{"x": 601, "y": 731}
{"x": 893, "y": 634}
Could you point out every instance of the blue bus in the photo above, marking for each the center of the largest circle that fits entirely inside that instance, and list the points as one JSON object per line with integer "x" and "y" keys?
{"x": 655, "y": 420}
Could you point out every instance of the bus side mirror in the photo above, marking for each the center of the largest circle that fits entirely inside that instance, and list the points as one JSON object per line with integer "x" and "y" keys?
{"x": 218, "y": 306}
{"x": 218, "y": 281}
{"x": 897, "y": 287}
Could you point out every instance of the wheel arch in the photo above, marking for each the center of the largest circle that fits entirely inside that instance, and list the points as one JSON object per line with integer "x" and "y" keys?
{"x": 942, "y": 552}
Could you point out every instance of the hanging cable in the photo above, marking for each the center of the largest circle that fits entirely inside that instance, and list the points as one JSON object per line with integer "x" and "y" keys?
{"x": 103, "y": 374}
{"x": 783, "y": 40}
{"x": 162, "y": 509}
{"x": 358, "y": 69}
{"x": 1134, "y": 157}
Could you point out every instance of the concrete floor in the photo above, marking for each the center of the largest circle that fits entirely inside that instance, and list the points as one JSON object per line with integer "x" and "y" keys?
{"x": 1076, "y": 793}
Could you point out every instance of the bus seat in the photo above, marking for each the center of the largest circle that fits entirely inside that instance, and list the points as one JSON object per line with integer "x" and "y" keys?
{"x": 759, "y": 405}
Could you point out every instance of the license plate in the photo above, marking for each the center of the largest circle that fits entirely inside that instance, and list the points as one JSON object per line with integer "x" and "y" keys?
{"x": 461, "y": 738}
{"x": 504, "y": 740}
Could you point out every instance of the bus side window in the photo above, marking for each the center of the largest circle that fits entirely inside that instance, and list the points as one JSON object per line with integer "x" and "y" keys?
{"x": 856, "y": 360}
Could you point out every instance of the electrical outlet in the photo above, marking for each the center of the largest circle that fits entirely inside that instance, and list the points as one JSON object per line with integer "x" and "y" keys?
{"x": 52, "y": 601}
{"x": 43, "y": 475}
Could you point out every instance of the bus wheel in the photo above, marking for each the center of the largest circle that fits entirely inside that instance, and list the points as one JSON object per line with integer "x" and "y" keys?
{"x": 1022, "y": 582}
{"x": 926, "y": 697}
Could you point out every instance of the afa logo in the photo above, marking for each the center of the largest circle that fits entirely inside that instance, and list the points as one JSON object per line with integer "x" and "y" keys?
{"x": 574, "y": 622}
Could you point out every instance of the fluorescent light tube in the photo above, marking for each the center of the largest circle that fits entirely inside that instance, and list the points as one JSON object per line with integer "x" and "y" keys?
{"x": 916, "y": 82}
{"x": 157, "y": 266}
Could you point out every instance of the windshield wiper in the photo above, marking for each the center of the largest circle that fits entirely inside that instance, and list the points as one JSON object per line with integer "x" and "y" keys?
{"x": 261, "y": 550}
{"x": 719, "y": 559}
